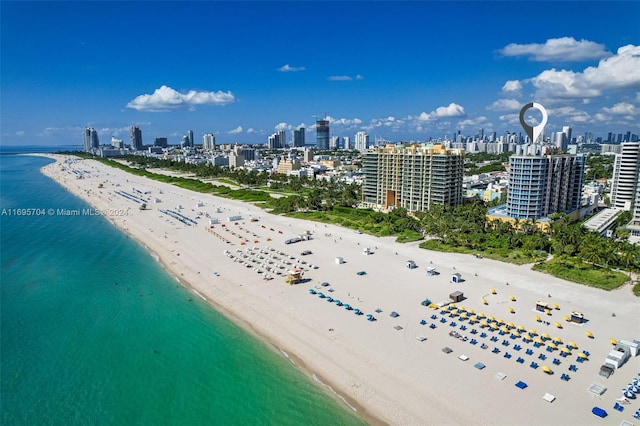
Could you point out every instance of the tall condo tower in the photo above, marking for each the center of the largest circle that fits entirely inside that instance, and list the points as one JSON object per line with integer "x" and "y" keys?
{"x": 208, "y": 142}
{"x": 322, "y": 134}
{"x": 90, "y": 139}
{"x": 540, "y": 185}
{"x": 298, "y": 137}
{"x": 136, "y": 138}
{"x": 362, "y": 141}
{"x": 626, "y": 170}
{"x": 414, "y": 177}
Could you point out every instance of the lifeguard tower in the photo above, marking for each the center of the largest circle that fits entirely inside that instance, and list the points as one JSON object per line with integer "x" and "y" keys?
{"x": 294, "y": 276}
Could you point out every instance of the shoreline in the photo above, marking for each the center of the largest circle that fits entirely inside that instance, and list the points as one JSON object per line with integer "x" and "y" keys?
{"x": 382, "y": 375}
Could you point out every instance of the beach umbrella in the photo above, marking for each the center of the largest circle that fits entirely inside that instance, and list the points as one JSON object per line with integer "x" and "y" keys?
{"x": 512, "y": 298}
{"x": 538, "y": 340}
{"x": 461, "y": 308}
{"x": 546, "y": 369}
{"x": 589, "y": 334}
{"x": 453, "y": 306}
{"x": 526, "y": 338}
{"x": 504, "y": 329}
{"x": 613, "y": 341}
{"x": 582, "y": 355}
{"x": 566, "y": 351}
{"x": 471, "y": 311}
{"x": 515, "y": 333}
{"x": 545, "y": 335}
{"x": 521, "y": 327}
{"x": 552, "y": 345}
{"x": 572, "y": 345}
{"x": 511, "y": 325}
{"x": 537, "y": 318}
{"x": 567, "y": 318}
{"x": 493, "y": 326}
{"x": 463, "y": 316}
{"x": 480, "y": 315}
{"x": 547, "y": 311}
{"x": 558, "y": 325}
{"x": 499, "y": 321}
{"x": 510, "y": 309}
{"x": 532, "y": 331}
{"x": 484, "y": 323}
{"x": 557, "y": 340}
{"x": 555, "y": 306}
{"x": 491, "y": 318}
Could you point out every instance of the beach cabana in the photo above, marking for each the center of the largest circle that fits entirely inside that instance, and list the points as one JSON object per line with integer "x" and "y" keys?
{"x": 456, "y": 278}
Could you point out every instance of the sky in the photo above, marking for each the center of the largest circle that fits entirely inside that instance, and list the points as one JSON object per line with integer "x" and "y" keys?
{"x": 402, "y": 71}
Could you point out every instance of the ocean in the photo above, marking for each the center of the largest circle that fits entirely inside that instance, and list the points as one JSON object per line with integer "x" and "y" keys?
{"x": 95, "y": 332}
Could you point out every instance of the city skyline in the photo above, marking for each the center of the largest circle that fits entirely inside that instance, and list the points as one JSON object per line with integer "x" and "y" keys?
{"x": 405, "y": 71}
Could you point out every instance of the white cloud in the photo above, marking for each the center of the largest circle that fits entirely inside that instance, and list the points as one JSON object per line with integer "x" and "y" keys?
{"x": 20, "y": 133}
{"x": 346, "y": 122}
{"x": 235, "y": 131}
{"x": 621, "y": 71}
{"x": 512, "y": 86}
{"x": 506, "y": 105}
{"x": 621, "y": 108}
{"x": 289, "y": 68}
{"x": 453, "y": 110}
{"x": 250, "y": 130}
{"x": 471, "y": 123}
{"x": 359, "y": 77}
{"x": 340, "y": 78}
{"x": 564, "y": 49}
{"x": 283, "y": 126}
{"x": 166, "y": 99}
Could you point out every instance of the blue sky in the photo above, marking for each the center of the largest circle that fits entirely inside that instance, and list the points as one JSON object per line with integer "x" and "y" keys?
{"x": 242, "y": 70}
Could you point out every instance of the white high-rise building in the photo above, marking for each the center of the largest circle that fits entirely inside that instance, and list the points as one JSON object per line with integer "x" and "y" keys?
{"x": 346, "y": 142}
{"x": 626, "y": 171}
{"x": 361, "y": 141}
{"x": 208, "y": 142}
{"x": 91, "y": 140}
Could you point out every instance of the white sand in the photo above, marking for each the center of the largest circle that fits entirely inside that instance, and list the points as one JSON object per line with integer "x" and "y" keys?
{"x": 386, "y": 374}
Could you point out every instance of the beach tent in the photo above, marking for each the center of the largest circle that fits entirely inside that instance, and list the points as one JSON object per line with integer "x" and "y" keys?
{"x": 521, "y": 384}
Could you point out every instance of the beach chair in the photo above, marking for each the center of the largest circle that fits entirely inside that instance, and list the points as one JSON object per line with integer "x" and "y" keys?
{"x": 442, "y": 320}
{"x": 432, "y": 326}
{"x": 580, "y": 360}
{"x": 494, "y": 339}
{"x": 463, "y": 327}
{"x": 542, "y": 357}
{"x": 573, "y": 367}
{"x": 507, "y": 355}
{"x": 618, "y": 407}
{"x": 483, "y": 334}
{"x": 423, "y": 322}
{"x": 474, "y": 331}
{"x": 495, "y": 350}
{"x": 434, "y": 317}
{"x": 520, "y": 360}
{"x": 452, "y": 324}
{"x": 556, "y": 361}
{"x": 533, "y": 365}
{"x": 484, "y": 346}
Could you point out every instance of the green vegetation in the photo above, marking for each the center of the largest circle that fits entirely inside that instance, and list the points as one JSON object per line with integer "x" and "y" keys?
{"x": 599, "y": 166}
{"x": 636, "y": 289}
{"x": 580, "y": 272}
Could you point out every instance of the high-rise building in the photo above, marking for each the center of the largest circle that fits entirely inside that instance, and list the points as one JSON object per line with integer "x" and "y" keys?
{"x": 298, "y": 137}
{"x": 322, "y": 134}
{"x": 540, "y": 185}
{"x": 161, "y": 142}
{"x": 413, "y": 177}
{"x": 190, "y": 137}
{"x": 362, "y": 141}
{"x": 282, "y": 139}
{"x": 334, "y": 142}
{"x": 91, "y": 140}
{"x": 346, "y": 142}
{"x": 567, "y": 132}
{"x": 136, "y": 138}
{"x": 634, "y": 226}
{"x": 208, "y": 142}
{"x": 276, "y": 140}
{"x": 626, "y": 169}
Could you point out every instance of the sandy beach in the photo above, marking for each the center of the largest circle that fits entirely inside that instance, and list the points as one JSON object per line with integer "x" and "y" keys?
{"x": 379, "y": 368}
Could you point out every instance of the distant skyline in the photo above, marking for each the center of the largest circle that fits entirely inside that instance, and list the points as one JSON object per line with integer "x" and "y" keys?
{"x": 244, "y": 70}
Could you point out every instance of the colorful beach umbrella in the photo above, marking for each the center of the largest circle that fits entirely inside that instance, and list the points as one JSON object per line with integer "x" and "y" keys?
{"x": 555, "y": 306}
{"x": 558, "y": 324}
{"x": 532, "y": 331}
{"x": 511, "y": 310}
{"x": 557, "y": 340}
{"x": 613, "y": 341}
{"x": 537, "y": 318}
{"x": 492, "y": 291}
{"x": 589, "y": 334}
{"x": 546, "y": 369}
{"x": 484, "y": 301}
{"x": 572, "y": 345}
{"x": 521, "y": 327}
{"x": 512, "y": 298}
{"x": 566, "y": 351}
{"x": 567, "y": 318}
{"x": 511, "y": 325}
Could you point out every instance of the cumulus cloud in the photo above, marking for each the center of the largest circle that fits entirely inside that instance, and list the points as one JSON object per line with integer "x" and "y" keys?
{"x": 283, "y": 126}
{"x": 250, "y": 130}
{"x": 453, "y": 110}
{"x": 475, "y": 122}
{"x": 621, "y": 108}
{"x": 289, "y": 68}
{"x": 506, "y": 105}
{"x": 235, "y": 131}
{"x": 512, "y": 87}
{"x": 346, "y": 122}
{"x": 166, "y": 99}
{"x": 564, "y": 49}
{"x": 621, "y": 71}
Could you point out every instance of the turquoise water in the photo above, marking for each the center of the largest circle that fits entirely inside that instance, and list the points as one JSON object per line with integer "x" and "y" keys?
{"x": 95, "y": 332}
